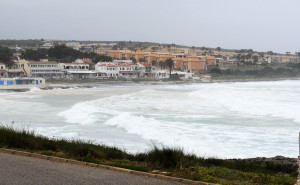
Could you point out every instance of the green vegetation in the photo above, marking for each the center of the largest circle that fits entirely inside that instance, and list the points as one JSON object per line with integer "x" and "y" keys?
{"x": 6, "y": 56}
{"x": 171, "y": 161}
{"x": 62, "y": 53}
{"x": 170, "y": 64}
{"x": 256, "y": 72}
{"x": 23, "y": 43}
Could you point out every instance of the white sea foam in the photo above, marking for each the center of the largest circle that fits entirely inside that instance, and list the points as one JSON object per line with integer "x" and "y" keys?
{"x": 34, "y": 89}
{"x": 267, "y": 100}
{"x": 222, "y": 119}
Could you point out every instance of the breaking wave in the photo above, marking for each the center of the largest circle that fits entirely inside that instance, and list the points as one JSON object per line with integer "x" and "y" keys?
{"x": 226, "y": 120}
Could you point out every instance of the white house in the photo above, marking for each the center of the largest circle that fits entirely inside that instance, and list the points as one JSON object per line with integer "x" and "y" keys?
{"x": 43, "y": 68}
{"x": 110, "y": 69}
{"x": 76, "y": 70}
{"x": 160, "y": 74}
{"x": 182, "y": 74}
{"x": 2, "y": 65}
{"x": 3, "y": 72}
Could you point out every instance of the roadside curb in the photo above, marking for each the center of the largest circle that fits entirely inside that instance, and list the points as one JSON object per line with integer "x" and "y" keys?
{"x": 71, "y": 161}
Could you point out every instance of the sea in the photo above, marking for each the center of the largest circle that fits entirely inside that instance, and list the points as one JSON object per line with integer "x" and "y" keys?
{"x": 224, "y": 120}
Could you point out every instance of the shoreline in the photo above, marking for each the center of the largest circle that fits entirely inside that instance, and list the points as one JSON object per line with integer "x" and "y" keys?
{"x": 254, "y": 79}
{"x": 65, "y": 84}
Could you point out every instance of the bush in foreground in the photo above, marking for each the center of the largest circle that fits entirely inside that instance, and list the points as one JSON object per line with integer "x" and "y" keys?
{"x": 171, "y": 160}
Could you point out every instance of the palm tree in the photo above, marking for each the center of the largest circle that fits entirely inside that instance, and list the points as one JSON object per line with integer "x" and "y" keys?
{"x": 170, "y": 63}
{"x": 161, "y": 64}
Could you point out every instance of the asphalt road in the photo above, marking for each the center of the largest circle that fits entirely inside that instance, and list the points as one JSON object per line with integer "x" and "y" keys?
{"x": 16, "y": 170}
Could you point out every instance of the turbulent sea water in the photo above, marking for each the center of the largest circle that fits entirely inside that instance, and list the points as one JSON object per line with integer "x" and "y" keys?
{"x": 227, "y": 120}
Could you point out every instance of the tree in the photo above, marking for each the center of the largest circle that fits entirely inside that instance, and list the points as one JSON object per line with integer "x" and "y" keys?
{"x": 115, "y": 47}
{"x": 153, "y": 48}
{"x": 133, "y": 60}
{"x": 170, "y": 63}
{"x": 121, "y": 44}
{"x": 215, "y": 71}
{"x": 130, "y": 43}
{"x": 248, "y": 56}
{"x": 238, "y": 59}
{"x": 161, "y": 64}
{"x": 261, "y": 54}
{"x": 154, "y": 62}
{"x": 102, "y": 58}
{"x": 6, "y": 56}
{"x": 255, "y": 60}
{"x": 30, "y": 54}
{"x": 141, "y": 60}
{"x": 62, "y": 51}
{"x": 210, "y": 52}
{"x": 218, "y": 49}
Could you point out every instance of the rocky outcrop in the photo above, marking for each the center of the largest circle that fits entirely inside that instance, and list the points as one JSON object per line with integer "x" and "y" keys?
{"x": 286, "y": 165}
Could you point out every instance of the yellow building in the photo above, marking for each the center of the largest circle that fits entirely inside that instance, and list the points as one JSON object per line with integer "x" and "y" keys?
{"x": 194, "y": 65}
{"x": 210, "y": 61}
{"x": 115, "y": 54}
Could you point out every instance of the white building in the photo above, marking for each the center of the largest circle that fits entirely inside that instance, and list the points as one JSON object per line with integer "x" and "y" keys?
{"x": 110, "y": 69}
{"x": 43, "y": 68}
{"x": 21, "y": 81}
{"x": 47, "y": 45}
{"x": 2, "y": 65}
{"x": 77, "y": 70}
{"x": 159, "y": 73}
{"x": 3, "y": 71}
{"x": 182, "y": 74}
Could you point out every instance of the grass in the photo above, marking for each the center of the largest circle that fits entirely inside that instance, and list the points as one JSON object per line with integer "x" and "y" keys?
{"x": 171, "y": 161}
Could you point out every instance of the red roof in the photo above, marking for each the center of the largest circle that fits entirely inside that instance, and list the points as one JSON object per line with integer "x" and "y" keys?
{"x": 125, "y": 65}
{"x": 2, "y": 63}
{"x": 2, "y": 70}
{"x": 147, "y": 65}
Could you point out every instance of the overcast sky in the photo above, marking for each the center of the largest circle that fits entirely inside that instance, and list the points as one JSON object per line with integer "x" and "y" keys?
{"x": 238, "y": 24}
